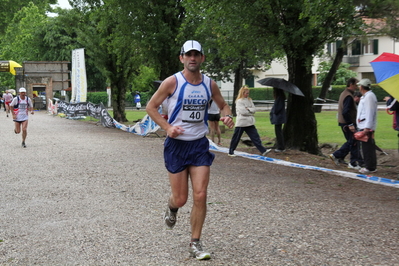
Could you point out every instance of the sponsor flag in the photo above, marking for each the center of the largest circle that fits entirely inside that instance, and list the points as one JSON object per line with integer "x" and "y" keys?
{"x": 78, "y": 79}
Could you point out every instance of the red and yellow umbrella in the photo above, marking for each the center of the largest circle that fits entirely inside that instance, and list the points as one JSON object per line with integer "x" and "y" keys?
{"x": 386, "y": 71}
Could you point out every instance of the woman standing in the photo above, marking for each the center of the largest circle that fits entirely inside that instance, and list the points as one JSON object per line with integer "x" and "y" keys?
{"x": 278, "y": 118}
{"x": 245, "y": 122}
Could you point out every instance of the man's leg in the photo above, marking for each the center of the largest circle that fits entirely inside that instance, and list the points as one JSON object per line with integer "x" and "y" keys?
{"x": 199, "y": 180}
{"x": 178, "y": 197}
{"x": 17, "y": 129}
{"x": 345, "y": 148}
{"x": 179, "y": 187}
{"x": 24, "y": 132}
{"x": 369, "y": 154}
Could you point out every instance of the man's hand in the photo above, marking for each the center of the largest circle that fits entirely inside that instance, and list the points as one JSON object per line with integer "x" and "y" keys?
{"x": 228, "y": 121}
{"x": 174, "y": 131}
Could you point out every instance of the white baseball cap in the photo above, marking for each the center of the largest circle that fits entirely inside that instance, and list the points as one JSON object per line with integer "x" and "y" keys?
{"x": 22, "y": 89}
{"x": 191, "y": 45}
{"x": 364, "y": 83}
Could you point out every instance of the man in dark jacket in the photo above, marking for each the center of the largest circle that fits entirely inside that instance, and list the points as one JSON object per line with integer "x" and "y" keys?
{"x": 347, "y": 110}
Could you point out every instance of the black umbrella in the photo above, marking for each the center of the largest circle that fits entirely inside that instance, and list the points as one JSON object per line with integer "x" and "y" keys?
{"x": 281, "y": 84}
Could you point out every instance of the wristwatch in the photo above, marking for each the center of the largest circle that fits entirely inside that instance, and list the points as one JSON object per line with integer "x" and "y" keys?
{"x": 229, "y": 116}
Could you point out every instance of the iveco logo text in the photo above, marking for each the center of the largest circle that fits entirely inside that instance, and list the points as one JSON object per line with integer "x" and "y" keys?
{"x": 195, "y": 101}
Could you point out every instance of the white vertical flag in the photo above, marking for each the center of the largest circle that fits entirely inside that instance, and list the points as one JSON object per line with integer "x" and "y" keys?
{"x": 78, "y": 79}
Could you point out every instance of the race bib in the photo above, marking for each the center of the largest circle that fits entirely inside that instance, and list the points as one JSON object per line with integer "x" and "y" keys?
{"x": 194, "y": 111}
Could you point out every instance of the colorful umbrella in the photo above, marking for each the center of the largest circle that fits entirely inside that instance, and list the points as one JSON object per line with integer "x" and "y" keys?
{"x": 386, "y": 71}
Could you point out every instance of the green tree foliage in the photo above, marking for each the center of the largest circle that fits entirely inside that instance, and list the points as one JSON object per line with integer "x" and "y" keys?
{"x": 19, "y": 42}
{"x": 232, "y": 46}
{"x": 342, "y": 75}
{"x": 60, "y": 38}
{"x": 387, "y": 11}
{"x": 300, "y": 29}
{"x": 120, "y": 36}
{"x": 21, "y": 35}
{"x": 143, "y": 81}
{"x": 9, "y": 8}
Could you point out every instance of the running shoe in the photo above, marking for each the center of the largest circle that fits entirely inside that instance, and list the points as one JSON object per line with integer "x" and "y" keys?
{"x": 266, "y": 152}
{"x": 334, "y": 159}
{"x": 367, "y": 171}
{"x": 23, "y": 145}
{"x": 357, "y": 167}
{"x": 232, "y": 155}
{"x": 197, "y": 252}
{"x": 170, "y": 218}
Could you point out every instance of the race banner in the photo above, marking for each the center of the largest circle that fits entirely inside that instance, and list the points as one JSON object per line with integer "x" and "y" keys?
{"x": 97, "y": 111}
{"x": 74, "y": 110}
{"x": 78, "y": 76}
{"x": 143, "y": 128}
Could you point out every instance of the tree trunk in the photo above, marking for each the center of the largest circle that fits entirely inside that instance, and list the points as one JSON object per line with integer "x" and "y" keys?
{"x": 330, "y": 76}
{"x": 238, "y": 78}
{"x": 118, "y": 92}
{"x": 300, "y": 131}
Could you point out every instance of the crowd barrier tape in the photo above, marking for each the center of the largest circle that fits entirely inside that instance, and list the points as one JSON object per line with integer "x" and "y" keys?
{"x": 367, "y": 178}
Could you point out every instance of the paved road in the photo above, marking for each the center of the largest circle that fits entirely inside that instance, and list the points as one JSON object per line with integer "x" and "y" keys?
{"x": 81, "y": 194}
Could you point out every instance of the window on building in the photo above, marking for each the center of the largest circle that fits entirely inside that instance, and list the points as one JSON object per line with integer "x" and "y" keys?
{"x": 356, "y": 47}
{"x": 371, "y": 47}
{"x": 250, "y": 81}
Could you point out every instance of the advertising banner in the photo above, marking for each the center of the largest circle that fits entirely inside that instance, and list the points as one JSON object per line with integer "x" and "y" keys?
{"x": 78, "y": 76}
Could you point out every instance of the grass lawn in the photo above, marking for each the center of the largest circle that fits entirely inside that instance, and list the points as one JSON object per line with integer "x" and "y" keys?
{"x": 328, "y": 129}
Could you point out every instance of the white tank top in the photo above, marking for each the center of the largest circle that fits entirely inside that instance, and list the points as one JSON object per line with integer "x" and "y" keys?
{"x": 188, "y": 107}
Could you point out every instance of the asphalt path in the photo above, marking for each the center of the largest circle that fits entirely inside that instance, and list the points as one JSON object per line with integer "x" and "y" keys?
{"x": 82, "y": 194}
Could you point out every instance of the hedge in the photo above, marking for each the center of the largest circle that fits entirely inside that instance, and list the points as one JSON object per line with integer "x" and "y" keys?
{"x": 267, "y": 93}
{"x": 256, "y": 94}
{"x": 102, "y": 96}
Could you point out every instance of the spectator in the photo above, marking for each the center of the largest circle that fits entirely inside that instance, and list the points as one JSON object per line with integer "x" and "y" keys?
{"x": 393, "y": 105}
{"x": 367, "y": 121}
{"x": 137, "y": 99}
{"x": 347, "y": 109}
{"x": 278, "y": 118}
{"x": 213, "y": 121}
{"x": 245, "y": 122}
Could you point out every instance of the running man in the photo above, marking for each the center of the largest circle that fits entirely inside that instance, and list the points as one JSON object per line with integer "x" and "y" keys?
{"x": 7, "y": 97}
{"x": 20, "y": 107}
{"x": 186, "y": 148}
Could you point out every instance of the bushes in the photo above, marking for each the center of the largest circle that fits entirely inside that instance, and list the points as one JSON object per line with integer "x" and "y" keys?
{"x": 267, "y": 93}
{"x": 256, "y": 94}
{"x": 102, "y": 96}
{"x": 97, "y": 97}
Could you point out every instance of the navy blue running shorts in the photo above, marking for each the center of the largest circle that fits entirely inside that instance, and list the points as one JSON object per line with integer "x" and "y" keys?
{"x": 179, "y": 154}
